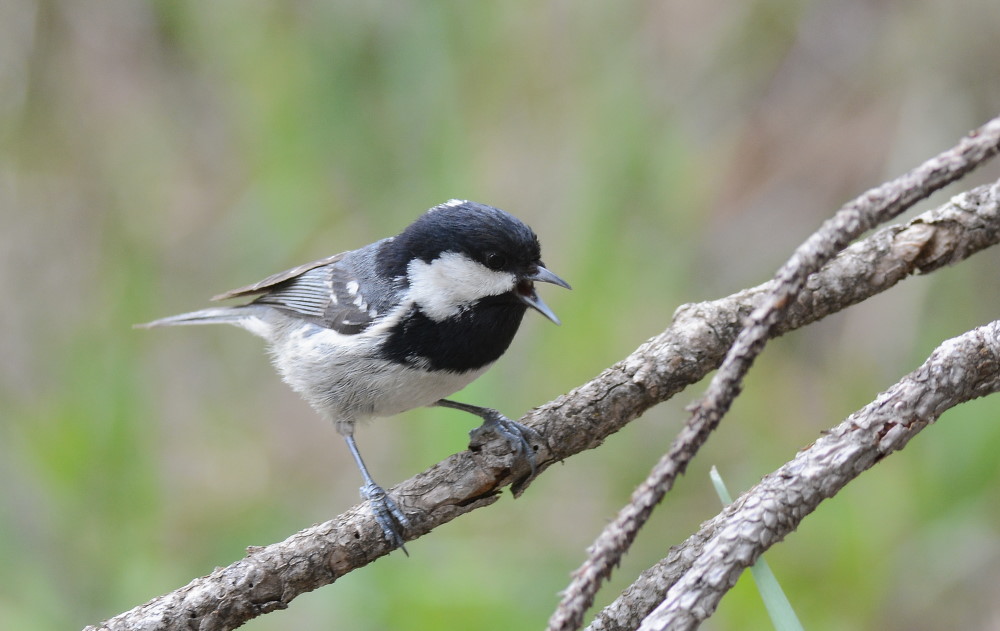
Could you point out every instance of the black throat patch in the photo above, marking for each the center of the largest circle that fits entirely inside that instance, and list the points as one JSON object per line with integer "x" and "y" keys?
{"x": 474, "y": 338}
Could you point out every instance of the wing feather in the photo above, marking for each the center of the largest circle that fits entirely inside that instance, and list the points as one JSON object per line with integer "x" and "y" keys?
{"x": 326, "y": 291}
{"x": 280, "y": 277}
{"x": 308, "y": 294}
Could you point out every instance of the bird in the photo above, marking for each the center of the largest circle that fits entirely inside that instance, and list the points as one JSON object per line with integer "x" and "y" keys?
{"x": 398, "y": 324}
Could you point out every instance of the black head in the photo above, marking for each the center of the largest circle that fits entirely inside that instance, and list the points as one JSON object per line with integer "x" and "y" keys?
{"x": 487, "y": 235}
{"x": 460, "y": 253}
{"x": 470, "y": 271}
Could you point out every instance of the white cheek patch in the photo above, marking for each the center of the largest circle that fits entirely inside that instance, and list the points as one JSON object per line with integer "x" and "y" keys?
{"x": 451, "y": 282}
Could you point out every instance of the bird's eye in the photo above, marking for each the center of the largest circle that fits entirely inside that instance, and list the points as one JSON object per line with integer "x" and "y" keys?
{"x": 496, "y": 261}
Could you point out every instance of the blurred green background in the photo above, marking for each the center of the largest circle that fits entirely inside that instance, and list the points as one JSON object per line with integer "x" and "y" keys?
{"x": 153, "y": 154}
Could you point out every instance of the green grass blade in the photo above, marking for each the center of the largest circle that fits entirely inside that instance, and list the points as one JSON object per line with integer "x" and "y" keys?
{"x": 778, "y": 607}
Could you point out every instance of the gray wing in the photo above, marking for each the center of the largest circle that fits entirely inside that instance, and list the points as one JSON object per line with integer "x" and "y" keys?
{"x": 326, "y": 292}
{"x": 271, "y": 281}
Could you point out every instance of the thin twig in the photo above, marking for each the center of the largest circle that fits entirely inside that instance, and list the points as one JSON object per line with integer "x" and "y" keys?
{"x": 268, "y": 578}
{"x": 871, "y": 209}
{"x": 959, "y": 370}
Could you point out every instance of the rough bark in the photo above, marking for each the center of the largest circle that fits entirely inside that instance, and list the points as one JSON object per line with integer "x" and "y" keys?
{"x": 269, "y": 577}
{"x": 686, "y": 587}
{"x": 853, "y": 219}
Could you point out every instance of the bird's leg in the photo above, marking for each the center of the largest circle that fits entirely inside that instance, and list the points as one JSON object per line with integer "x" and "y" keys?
{"x": 519, "y": 436}
{"x": 387, "y": 512}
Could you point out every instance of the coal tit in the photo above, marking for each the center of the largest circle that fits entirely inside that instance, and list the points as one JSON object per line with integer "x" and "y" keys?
{"x": 401, "y": 323}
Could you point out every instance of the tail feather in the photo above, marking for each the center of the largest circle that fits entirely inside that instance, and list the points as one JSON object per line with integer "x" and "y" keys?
{"x": 215, "y": 315}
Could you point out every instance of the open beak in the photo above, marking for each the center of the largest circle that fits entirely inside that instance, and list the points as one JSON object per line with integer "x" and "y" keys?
{"x": 526, "y": 291}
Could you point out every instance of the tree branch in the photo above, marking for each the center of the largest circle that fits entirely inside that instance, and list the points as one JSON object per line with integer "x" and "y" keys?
{"x": 686, "y": 586}
{"x": 858, "y": 216}
{"x": 268, "y": 578}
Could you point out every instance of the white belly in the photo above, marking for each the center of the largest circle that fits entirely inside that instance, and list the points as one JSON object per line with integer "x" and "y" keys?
{"x": 343, "y": 385}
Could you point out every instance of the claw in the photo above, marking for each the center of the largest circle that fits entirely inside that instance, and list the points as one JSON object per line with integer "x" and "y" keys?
{"x": 390, "y": 518}
{"x": 518, "y": 436}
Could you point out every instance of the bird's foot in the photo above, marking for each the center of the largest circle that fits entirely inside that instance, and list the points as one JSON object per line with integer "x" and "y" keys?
{"x": 517, "y": 435}
{"x": 388, "y": 514}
